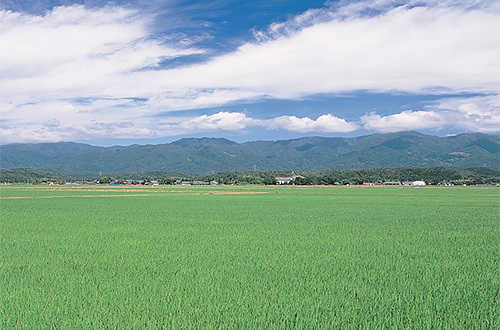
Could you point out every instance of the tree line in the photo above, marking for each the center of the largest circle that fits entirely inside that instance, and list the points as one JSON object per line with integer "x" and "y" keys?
{"x": 434, "y": 175}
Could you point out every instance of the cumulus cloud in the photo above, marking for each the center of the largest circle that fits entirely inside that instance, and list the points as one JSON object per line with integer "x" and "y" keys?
{"x": 474, "y": 114}
{"x": 56, "y": 129}
{"x": 404, "y": 121}
{"x": 325, "y": 123}
{"x": 222, "y": 120}
{"x": 235, "y": 121}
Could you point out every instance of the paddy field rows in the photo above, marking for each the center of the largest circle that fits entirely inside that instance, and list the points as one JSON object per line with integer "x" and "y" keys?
{"x": 249, "y": 257}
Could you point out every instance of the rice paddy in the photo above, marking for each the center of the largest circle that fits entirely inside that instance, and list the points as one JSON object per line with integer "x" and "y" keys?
{"x": 249, "y": 257}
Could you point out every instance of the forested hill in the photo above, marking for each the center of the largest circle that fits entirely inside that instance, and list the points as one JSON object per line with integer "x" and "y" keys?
{"x": 207, "y": 155}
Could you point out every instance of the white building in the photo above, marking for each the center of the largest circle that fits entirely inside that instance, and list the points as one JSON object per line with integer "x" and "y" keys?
{"x": 414, "y": 183}
{"x": 419, "y": 183}
{"x": 286, "y": 180}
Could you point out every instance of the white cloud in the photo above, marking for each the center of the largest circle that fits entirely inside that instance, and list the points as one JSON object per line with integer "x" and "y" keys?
{"x": 361, "y": 8}
{"x": 63, "y": 128}
{"x": 193, "y": 99}
{"x": 404, "y": 121}
{"x": 325, "y": 123}
{"x": 222, "y": 120}
{"x": 420, "y": 49}
{"x": 96, "y": 52}
{"x": 75, "y": 51}
{"x": 110, "y": 56}
{"x": 236, "y": 121}
{"x": 54, "y": 131}
{"x": 475, "y": 114}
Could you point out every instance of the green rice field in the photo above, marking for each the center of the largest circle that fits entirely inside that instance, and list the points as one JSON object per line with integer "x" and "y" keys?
{"x": 246, "y": 257}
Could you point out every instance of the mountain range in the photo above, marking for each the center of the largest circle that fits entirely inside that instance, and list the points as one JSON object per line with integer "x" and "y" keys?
{"x": 206, "y": 155}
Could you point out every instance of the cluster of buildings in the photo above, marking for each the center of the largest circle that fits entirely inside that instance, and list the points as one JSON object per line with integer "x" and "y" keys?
{"x": 396, "y": 183}
{"x": 143, "y": 182}
{"x": 291, "y": 180}
{"x": 199, "y": 183}
{"x": 131, "y": 182}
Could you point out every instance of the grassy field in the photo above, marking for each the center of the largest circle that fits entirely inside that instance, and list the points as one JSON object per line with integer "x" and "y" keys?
{"x": 249, "y": 257}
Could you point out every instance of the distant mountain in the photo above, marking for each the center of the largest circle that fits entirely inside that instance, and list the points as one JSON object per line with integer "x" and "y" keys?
{"x": 204, "y": 155}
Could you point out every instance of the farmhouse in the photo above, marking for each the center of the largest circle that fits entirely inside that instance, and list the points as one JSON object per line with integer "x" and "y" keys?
{"x": 134, "y": 182}
{"x": 201, "y": 183}
{"x": 414, "y": 183}
{"x": 286, "y": 180}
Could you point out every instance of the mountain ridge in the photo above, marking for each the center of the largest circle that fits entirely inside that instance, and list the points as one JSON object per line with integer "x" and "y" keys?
{"x": 314, "y": 153}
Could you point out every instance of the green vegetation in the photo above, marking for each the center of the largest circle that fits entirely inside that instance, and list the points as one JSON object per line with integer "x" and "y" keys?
{"x": 435, "y": 175}
{"x": 249, "y": 257}
{"x": 34, "y": 175}
{"x": 207, "y": 155}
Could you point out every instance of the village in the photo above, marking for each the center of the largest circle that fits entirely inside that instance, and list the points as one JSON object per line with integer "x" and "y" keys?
{"x": 292, "y": 180}
{"x": 278, "y": 181}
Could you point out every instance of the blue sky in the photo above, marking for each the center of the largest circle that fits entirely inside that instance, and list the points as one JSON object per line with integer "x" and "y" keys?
{"x": 126, "y": 72}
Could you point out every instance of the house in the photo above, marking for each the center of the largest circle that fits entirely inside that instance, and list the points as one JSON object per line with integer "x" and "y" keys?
{"x": 285, "y": 180}
{"x": 391, "y": 183}
{"x": 446, "y": 184}
{"x": 414, "y": 183}
{"x": 134, "y": 182}
{"x": 419, "y": 183}
{"x": 185, "y": 183}
{"x": 201, "y": 183}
